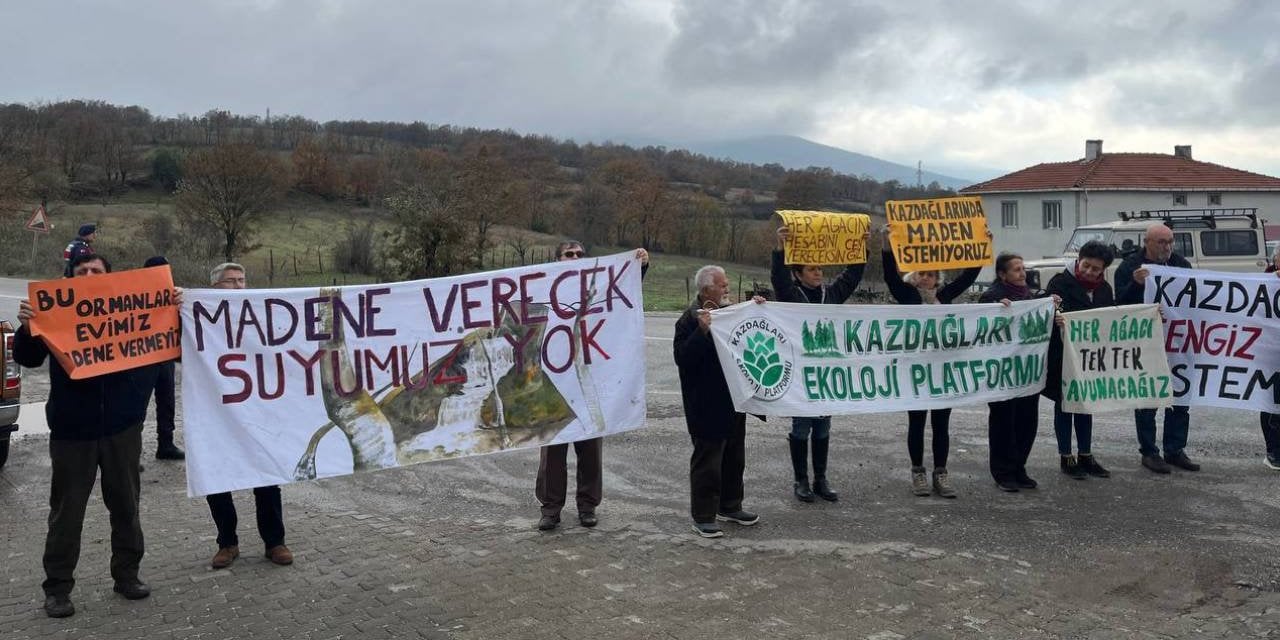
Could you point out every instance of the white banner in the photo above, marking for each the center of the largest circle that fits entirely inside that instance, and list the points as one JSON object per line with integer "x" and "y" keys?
{"x": 1222, "y": 336}
{"x": 1113, "y": 359}
{"x": 291, "y": 384}
{"x": 785, "y": 359}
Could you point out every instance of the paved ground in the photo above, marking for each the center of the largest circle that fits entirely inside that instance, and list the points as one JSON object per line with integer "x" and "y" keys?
{"x": 448, "y": 550}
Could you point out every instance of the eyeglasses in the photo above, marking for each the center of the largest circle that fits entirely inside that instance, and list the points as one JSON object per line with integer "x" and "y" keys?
{"x": 232, "y": 281}
{"x": 574, "y": 254}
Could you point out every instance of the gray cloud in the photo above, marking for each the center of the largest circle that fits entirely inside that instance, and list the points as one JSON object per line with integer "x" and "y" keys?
{"x": 689, "y": 69}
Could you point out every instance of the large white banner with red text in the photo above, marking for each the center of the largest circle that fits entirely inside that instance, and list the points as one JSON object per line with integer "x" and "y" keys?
{"x": 292, "y": 384}
{"x": 1222, "y": 336}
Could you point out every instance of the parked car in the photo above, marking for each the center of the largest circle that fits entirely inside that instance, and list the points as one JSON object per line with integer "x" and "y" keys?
{"x": 1214, "y": 239}
{"x": 10, "y": 392}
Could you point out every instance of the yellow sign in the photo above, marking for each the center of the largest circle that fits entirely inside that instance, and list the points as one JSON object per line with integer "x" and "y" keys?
{"x": 822, "y": 237}
{"x": 946, "y": 233}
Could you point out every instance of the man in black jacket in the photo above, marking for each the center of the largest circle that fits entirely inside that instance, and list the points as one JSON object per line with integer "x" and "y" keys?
{"x": 717, "y": 430}
{"x": 94, "y": 423}
{"x": 1131, "y": 279}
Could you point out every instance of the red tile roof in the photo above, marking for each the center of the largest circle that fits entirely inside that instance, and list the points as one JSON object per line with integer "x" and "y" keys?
{"x": 1124, "y": 171}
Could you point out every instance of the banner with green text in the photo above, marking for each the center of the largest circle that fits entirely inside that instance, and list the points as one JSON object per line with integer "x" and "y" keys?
{"x": 787, "y": 359}
{"x": 1113, "y": 359}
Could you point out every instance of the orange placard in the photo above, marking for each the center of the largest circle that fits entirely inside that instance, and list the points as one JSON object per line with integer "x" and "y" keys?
{"x": 106, "y": 323}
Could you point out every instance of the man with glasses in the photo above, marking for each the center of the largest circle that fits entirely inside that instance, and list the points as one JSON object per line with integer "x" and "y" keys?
{"x": 270, "y": 511}
{"x": 553, "y": 460}
{"x": 1131, "y": 280}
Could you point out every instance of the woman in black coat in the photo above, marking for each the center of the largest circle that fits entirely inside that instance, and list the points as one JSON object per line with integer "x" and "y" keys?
{"x": 1081, "y": 286}
{"x": 802, "y": 283}
{"x": 922, "y": 287}
{"x": 1012, "y": 423}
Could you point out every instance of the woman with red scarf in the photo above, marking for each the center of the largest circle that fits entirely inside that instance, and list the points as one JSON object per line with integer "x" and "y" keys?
{"x": 1081, "y": 286}
{"x": 1012, "y": 423}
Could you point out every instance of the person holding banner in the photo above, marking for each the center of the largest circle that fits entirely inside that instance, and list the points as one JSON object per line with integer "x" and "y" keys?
{"x": 1081, "y": 286}
{"x": 717, "y": 430}
{"x": 95, "y": 423}
{"x": 552, "y": 484}
{"x": 1130, "y": 282}
{"x": 803, "y": 283}
{"x": 1271, "y": 421}
{"x": 1011, "y": 424}
{"x": 267, "y": 502}
{"x": 925, "y": 287}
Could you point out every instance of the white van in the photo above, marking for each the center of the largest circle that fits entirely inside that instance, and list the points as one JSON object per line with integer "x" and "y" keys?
{"x": 1216, "y": 239}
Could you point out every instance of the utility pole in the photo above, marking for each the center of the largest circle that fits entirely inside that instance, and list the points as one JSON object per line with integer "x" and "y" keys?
{"x": 919, "y": 174}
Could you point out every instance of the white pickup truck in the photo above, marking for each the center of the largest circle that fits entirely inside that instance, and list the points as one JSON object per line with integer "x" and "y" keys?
{"x": 1216, "y": 239}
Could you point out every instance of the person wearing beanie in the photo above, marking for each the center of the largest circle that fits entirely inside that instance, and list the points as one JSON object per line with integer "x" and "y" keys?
{"x": 81, "y": 246}
{"x": 166, "y": 397}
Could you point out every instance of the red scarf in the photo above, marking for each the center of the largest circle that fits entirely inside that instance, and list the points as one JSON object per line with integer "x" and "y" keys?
{"x": 1089, "y": 285}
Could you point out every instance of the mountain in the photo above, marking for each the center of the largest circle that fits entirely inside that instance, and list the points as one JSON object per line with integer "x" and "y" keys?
{"x": 794, "y": 152}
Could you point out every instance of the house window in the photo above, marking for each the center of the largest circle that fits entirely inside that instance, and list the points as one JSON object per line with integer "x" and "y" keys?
{"x": 1009, "y": 214}
{"x": 1215, "y": 199}
{"x": 1052, "y": 210}
{"x": 1179, "y": 199}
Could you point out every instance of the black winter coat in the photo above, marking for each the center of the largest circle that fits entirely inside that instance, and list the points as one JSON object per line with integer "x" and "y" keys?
{"x": 708, "y": 407}
{"x": 1074, "y": 298}
{"x": 907, "y": 294}
{"x": 1130, "y": 292}
{"x": 91, "y": 408}
{"x": 787, "y": 289}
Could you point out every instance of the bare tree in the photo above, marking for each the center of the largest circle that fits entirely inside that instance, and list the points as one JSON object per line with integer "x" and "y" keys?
{"x": 230, "y": 187}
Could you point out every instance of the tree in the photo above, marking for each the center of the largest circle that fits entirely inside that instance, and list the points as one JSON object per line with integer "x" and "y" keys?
{"x": 230, "y": 187}
{"x": 643, "y": 203}
{"x": 478, "y": 197}
{"x": 316, "y": 170}
{"x": 804, "y": 190}
{"x": 428, "y": 240}
{"x": 591, "y": 209}
{"x": 166, "y": 168}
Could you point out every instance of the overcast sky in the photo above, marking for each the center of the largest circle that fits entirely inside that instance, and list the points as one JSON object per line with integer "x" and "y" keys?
{"x": 953, "y": 83}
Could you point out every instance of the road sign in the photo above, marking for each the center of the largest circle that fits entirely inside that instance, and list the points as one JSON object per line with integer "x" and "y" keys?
{"x": 39, "y": 221}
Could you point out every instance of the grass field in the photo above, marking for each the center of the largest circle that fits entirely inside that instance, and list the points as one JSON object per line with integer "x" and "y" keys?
{"x": 298, "y": 239}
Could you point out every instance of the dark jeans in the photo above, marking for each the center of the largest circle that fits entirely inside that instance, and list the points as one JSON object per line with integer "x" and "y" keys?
{"x": 553, "y": 476}
{"x": 821, "y": 428}
{"x": 1271, "y": 432}
{"x": 1011, "y": 432}
{"x": 166, "y": 402}
{"x": 715, "y": 472}
{"x": 1177, "y": 421}
{"x": 270, "y": 516}
{"x": 75, "y": 465}
{"x": 1062, "y": 422}
{"x": 941, "y": 419}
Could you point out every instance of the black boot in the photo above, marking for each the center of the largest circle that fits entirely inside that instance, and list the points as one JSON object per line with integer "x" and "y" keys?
{"x": 820, "y": 470}
{"x": 800, "y": 464}
{"x": 167, "y": 450}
